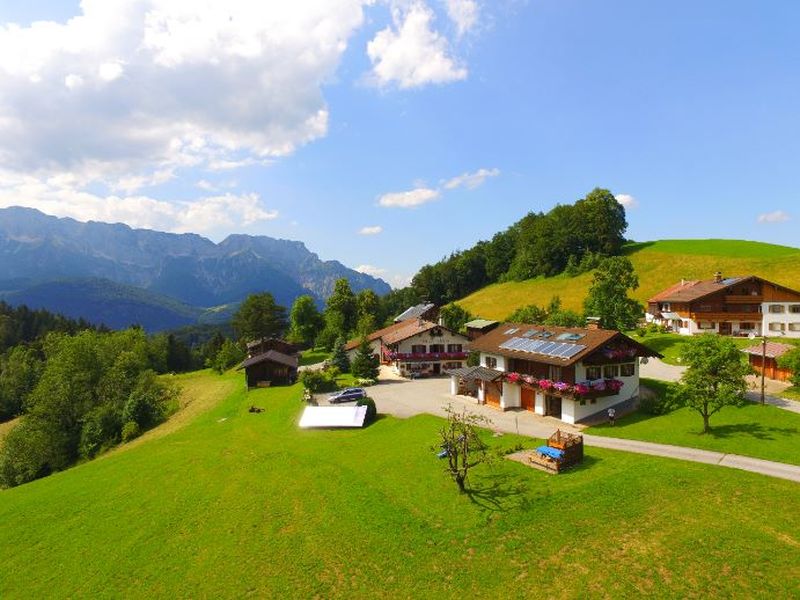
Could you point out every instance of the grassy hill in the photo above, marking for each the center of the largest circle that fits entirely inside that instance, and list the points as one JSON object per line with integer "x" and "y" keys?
{"x": 234, "y": 504}
{"x": 658, "y": 264}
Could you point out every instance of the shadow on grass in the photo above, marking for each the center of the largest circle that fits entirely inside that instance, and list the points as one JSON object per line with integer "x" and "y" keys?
{"x": 498, "y": 493}
{"x": 754, "y": 430}
{"x": 587, "y": 463}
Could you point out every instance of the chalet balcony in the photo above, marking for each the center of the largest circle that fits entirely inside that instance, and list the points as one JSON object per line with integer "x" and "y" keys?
{"x": 749, "y": 317}
{"x": 744, "y": 299}
{"x": 584, "y": 390}
{"x": 426, "y": 356}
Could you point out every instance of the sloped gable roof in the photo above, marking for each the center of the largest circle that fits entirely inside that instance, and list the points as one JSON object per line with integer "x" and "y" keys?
{"x": 270, "y": 356}
{"x": 591, "y": 340}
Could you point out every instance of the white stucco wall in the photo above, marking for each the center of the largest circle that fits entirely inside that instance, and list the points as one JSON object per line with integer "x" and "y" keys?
{"x": 786, "y": 317}
{"x": 425, "y": 338}
{"x": 501, "y": 361}
{"x": 539, "y": 403}
{"x": 512, "y": 396}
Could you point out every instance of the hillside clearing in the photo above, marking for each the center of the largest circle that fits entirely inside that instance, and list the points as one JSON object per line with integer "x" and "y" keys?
{"x": 237, "y": 504}
{"x": 658, "y": 264}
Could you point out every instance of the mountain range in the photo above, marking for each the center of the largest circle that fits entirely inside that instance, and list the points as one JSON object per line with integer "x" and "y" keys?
{"x": 117, "y": 275}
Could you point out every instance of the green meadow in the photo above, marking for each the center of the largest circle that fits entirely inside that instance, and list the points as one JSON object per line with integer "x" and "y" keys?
{"x": 659, "y": 265}
{"x": 230, "y": 504}
{"x": 753, "y": 430}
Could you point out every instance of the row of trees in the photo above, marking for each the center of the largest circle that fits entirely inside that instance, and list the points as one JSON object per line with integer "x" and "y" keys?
{"x": 88, "y": 392}
{"x": 571, "y": 237}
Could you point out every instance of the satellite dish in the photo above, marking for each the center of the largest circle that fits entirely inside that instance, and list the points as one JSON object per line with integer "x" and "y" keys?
{"x": 752, "y": 335}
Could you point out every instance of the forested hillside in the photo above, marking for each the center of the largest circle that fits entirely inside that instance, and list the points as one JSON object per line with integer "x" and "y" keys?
{"x": 658, "y": 264}
{"x": 569, "y": 238}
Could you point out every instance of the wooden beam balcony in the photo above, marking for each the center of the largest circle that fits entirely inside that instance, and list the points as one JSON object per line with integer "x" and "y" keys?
{"x": 744, "y": 299}
{"x": 747, "y": 317}
{"x": 426, "y": 356}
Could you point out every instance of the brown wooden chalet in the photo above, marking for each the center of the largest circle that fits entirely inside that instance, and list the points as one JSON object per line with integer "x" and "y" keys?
{"x": 568, "y": 373}
{"x": 270, "y": 368}
{"x": 728, "y": 306}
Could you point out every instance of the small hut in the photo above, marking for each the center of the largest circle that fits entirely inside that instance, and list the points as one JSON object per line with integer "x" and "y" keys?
{"x": 270, "y": 368}
{"x": 765, "y": 358}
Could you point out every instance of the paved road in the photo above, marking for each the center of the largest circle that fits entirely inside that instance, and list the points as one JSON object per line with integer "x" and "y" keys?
{"x": 402, "y": 398}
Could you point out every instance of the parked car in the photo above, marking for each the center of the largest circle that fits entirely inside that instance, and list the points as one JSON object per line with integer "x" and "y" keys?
{"x": 347, "y": 395}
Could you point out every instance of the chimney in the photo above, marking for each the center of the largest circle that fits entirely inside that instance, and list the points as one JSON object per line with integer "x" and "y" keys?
{"x": 592, "y": 322}
{"x": 718, "y": 277}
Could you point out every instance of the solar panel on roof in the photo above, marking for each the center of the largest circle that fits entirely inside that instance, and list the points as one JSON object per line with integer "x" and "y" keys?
{"x": 547, "y": 348}
{"x": 575, "y": 349}
{"x": 530, "y": 333}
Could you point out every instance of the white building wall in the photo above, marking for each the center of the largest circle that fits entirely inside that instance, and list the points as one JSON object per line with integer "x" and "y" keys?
{"x": 789, "y": 320}
{"x": 512, "y": 396}
{"x": 568, "y": 411}
{"x": 630, "y": 388}
{"x": 539, "y": 403}
{"x": 426, "y": 339}
{"x": 501, "y": 361}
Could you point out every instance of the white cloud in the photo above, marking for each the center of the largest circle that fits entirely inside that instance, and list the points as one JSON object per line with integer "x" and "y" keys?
{"x": 776, "y": 216}
{"x": 148, "y": 85}
{"x": 471, "y": 180}
{"x": 371, "y": 230}
{"x": 58, "y": 196}
{"x": 398, "y": 281}
{"x": 463, "y": 13}
{"x": 370, "y": 270}
{"x": 410, "y": 53}
{"x": 415, "y": 197}
{"x": 627, "y": 200}
{"x": 109, "y": 71}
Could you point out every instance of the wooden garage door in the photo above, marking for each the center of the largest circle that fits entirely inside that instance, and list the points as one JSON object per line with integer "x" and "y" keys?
{"x": 492, "y": 395}
{"x": 528, "y": 399}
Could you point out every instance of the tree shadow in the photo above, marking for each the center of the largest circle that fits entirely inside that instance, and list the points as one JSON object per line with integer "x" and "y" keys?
{"x": 754, "y": 430}
{"x": 499, "y": 493}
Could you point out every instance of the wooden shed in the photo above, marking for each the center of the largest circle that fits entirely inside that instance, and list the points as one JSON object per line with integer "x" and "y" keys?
{"x": 766, "y": 359}
{"x": 270, "y": 368}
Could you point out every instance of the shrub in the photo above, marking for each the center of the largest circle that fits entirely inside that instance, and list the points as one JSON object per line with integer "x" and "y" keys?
{"x": 652, "y": 402}
{"x": 100, "y": 430}
{"x": 366, "y": 382}
{"x": 33, "y": 449}
{"x": 372, "y": 410}
{"x": 130, "y": 431}
{"x": 149, "y": 402}
{"x": 316, "y": 381}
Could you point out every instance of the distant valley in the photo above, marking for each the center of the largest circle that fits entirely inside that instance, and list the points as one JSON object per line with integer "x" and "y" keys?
{"x": 116, "y": 275}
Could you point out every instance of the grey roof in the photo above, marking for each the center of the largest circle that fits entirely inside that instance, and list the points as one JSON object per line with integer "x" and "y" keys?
{"x": 270, "y": 356}
{"x": 414, "y": 312}
{"x": 479, "y": 373}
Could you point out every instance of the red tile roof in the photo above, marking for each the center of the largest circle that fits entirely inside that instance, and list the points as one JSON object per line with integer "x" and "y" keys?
{"x": 774, "y": 349}
{"x": 398, "y": 332}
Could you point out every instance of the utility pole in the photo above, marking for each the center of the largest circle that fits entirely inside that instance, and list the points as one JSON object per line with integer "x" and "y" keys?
{"x": 763, "y": 364}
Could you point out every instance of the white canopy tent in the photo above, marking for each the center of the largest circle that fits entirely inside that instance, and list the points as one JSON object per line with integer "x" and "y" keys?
{"x": 333, "y": 416}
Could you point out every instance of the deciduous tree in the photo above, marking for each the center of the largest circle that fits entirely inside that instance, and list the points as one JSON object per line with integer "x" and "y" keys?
{"x": 305, "y": 321}
{"x": 608, "y": 296}
{"x": 715, "y": 376}
{"x": 259, "y": 316}
{"x": 462, "y": 445}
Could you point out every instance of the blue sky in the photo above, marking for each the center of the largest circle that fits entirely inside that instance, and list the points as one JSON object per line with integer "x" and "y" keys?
{"x": 426, "y": 124}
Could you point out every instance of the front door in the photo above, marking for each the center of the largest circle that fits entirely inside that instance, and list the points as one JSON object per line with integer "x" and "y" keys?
{"x": 528, "y": 399}
{"x": 552, "y": 406}
{"x": 725, "y": 329}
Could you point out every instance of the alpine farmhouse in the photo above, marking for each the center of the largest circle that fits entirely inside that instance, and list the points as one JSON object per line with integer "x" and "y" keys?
{"x": 571, "y": 374}
{"x": 416, "y": 347}
{"x": 728, "y": 306}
